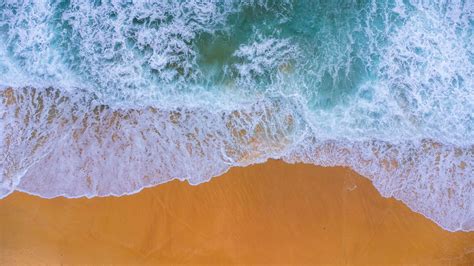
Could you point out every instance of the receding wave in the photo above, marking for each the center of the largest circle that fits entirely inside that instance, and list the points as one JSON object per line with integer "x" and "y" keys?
{"x": 106, "y": 98}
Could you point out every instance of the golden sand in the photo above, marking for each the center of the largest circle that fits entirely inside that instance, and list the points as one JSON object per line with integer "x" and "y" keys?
{"x": 269, "y": 213}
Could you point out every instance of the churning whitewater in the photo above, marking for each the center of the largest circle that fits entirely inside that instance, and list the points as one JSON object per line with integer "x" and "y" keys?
{"x": 108, "y": 97}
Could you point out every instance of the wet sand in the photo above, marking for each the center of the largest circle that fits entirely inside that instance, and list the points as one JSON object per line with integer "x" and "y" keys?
{"x": 269, "y": 213}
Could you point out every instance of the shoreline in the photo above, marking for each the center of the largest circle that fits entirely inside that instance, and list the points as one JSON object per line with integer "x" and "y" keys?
{"x": 222, "y": 174}
{"x": 266, "y": 213}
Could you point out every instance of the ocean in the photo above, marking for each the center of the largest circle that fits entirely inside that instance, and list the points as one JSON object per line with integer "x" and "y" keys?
{"x": 105, "y": 98}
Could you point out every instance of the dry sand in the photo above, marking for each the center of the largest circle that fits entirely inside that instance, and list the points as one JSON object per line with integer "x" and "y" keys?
{"x": 267, "y": 213}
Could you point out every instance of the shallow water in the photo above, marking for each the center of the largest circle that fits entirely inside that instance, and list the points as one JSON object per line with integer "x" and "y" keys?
{"x": 107, "y": 97}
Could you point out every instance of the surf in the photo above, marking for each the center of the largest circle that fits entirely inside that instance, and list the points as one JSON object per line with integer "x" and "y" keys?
{"x": 107, "y": 98}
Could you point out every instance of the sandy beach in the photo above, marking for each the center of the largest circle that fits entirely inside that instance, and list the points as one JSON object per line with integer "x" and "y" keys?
{"x": 101, "y": 101}
{"x": 269, "y": 213}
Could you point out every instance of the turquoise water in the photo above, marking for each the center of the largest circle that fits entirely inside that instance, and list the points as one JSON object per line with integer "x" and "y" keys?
{"x": 108, "y": 97}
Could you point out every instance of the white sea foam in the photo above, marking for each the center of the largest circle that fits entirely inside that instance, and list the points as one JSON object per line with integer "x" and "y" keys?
{"x": 107, "y": 99}
{"x": 76, "y": 152}
{"x": 263, "y": 56}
